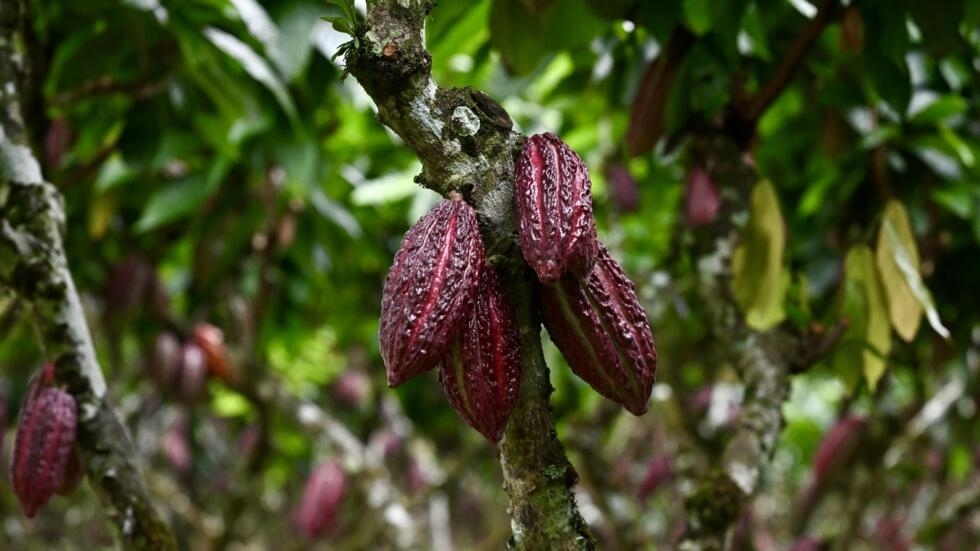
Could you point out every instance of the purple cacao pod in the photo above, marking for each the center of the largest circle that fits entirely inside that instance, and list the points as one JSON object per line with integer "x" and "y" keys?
{"x": 623, "y": 190}
{"x": 43, "y": 446}
{"x": 701, "y": 200}
{"x": 322, "y": 496}
{"x": 163, "y": 363}
{"x": 193, "y": 373}
{"x": 553, "y": 196}
{"x": 837, "y": 449}
{"x": 74, "y": 473}
{"x": 481, "y": 375}
{"x": 430, "y": 289}
{"x": 659, "y": 471}
{"x": 602, "y": 330}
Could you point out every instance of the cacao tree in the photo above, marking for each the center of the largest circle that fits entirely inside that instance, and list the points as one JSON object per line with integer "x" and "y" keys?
{"x": 552, "y": 274}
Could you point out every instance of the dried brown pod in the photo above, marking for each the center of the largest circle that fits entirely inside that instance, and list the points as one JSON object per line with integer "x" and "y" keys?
{"x": 322, "y": 497}
{"x": 430, "y": 289}
{"x": 481, "y": 375}
{"x": 602, "y": 330}
{"x": 553, "y": 196}
{"x": 43, "y": 445}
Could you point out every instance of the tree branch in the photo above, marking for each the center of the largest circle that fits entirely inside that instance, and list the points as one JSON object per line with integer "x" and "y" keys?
{"x": 762, "y": 359}
{"x": 33, "y": 264}
{"x": 743, "y": 119}
{"x": 465, "y": 143}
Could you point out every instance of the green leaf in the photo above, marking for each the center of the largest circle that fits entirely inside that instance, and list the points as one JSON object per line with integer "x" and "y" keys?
{"x": 253, "y": 64}
{"x": 178, "y": 199}
{"x": 697, "y": 14}
{"x": 524, "y": 38}
{"x": 864, "y": 305}
{"x": 944, "y": 108}
{"x": 896, "y": 246}
{"x": 114, "y": 172}
{"x": 756, "y": 31}
{"x": 759, "y": 281}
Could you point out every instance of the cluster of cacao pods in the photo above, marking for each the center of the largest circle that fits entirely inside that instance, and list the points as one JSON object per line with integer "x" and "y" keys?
{"x": 588, "y": 303}
{"x": 182, "y": 366}
{"x": 44, "y": 460}
{"x": 323, "y": 495}
{"x": 443, "y": 306}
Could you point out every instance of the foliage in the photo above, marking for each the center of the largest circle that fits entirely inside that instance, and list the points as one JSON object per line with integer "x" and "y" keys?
{"x": 217, "y": 168}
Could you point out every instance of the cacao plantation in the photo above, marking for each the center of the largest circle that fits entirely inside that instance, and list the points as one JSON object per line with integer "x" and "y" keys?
{"x": 489, "y": 274}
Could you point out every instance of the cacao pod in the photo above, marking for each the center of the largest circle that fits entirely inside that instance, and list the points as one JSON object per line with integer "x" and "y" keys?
{"x": 322, "y": 496}
{"x": 193, "y": 373}
{"x": 701, "y": 200}
{"x": 602, "y": 330}
{"x": 623, "y": 190}
{"x": 659, "y": 470}
{"x": 74, "y": 473}
{"x": 175, "y": 447}
{"x": 481, "y": 375}
{"x": 430, "y": 289}
{"x": 553, "y": 199}
{"x": 43, "y": 445}
{"x": 212, "y": 343}
{"x": 163, "y": 364}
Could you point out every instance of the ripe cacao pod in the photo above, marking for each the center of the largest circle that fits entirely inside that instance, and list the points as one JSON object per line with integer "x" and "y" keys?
{"x": 193, "y": 373}
{"x": 430, "y": 289}
{"x": 74, "y": 473}
{"x": 701, "y": 200}
{"x": 163, "y": 364}
{"x": 212, "y": 343}
{"x": 481, "y": 375}
{"x": 43, "y": 445}
{"x": 322, "y": 496}
{"x": 602, "y": 330}
{"x": 553, "y": 199}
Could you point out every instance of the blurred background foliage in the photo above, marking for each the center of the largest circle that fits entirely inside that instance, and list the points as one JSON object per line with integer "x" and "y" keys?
{"x": 218, "y": 169}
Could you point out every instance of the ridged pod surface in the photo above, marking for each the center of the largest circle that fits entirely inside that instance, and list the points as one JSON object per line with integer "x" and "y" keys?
{"x": 602, "y": 330}
{"x": 322, "y": 496}
{"x": 43, "y": 446}
{"x": 481, "y": 375}
{"x": 430, "y": 289}
{"x": 553, "y": 196}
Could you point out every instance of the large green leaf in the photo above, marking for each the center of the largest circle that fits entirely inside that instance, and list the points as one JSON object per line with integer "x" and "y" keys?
{"x": 760, "y": 281}
{"x": 524, "y": 38}
{"x": 867, "y": 341}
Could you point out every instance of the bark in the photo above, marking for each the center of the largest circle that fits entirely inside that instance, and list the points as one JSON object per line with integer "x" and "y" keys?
{"x": 762, "y": 359}
{"x": 464, "y": 140}
{"x": 33, "y": 265}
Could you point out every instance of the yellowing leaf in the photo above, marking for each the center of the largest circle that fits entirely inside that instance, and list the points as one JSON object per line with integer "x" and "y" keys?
{"x": 898, "y": 262}
{"x": 100, "y": 214}
{"x": 896, "y": 245}
{"x": 759, "y": 281}
{"x": 864, "y": 304}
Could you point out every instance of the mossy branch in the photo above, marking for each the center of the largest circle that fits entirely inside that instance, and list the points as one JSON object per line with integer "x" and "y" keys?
{"x": 762, "y": 359}
{"x": 465, "y": 143}
{"x": 34, "y": 266}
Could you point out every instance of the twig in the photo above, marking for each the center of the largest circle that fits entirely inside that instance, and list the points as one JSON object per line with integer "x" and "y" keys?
{"x": 744, "y": 117}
